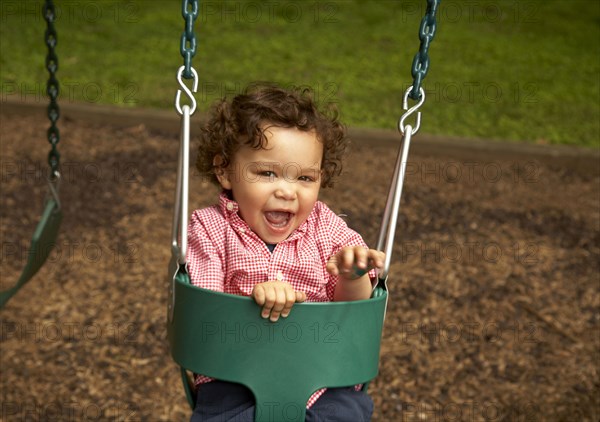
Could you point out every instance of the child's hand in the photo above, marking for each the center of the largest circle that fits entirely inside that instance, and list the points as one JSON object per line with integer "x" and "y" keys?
{"x": 276, "y": 298}
{"x": 353, "y": 262}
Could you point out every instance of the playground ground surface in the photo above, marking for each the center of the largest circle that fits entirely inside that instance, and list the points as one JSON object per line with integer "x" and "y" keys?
{"x": 494, "y": 288}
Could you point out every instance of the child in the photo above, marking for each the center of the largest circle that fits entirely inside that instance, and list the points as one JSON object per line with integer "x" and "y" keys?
{"x": 271, "y": 150}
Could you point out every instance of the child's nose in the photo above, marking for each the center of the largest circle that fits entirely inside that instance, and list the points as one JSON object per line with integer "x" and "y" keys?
{"x": 285, "y": 190}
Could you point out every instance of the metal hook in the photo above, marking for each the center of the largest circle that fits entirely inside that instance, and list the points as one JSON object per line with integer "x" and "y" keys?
{"x": 186, "y": 90}
{"x": 401, "y": 126}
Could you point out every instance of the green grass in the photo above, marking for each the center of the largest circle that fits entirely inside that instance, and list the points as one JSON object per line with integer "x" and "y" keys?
{"x": 500, "y": 69}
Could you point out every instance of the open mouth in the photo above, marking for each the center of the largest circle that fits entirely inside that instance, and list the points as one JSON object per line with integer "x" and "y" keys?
{"x": 278, "y": 219}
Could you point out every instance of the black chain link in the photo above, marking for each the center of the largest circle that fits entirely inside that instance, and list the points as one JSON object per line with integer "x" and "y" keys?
{"x": 188, "y": 38}
{"x": 420, "y": 64}
{"x": 52, "y": 87}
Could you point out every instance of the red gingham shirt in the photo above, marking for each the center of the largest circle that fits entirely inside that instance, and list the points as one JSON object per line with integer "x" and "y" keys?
{"x": 225, "y": 255}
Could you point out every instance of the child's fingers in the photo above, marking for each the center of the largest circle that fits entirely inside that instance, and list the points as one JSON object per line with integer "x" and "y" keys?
{"x": 300, "y": 297}
{"x": 278, "y": 304}
{"x": 290, "y": 299}
{"x": 345, "y": 260}
{"x": 276, "y": 299}
{"x": 361, "y": 257}
{"x": 353, "y": 262}
{"x": 332, "y": 266}
{"x": 258, "y": 294}
{"x": 348, "y": 260}
{"x": 376, "y": 258}
{"x": 269, "y": 302}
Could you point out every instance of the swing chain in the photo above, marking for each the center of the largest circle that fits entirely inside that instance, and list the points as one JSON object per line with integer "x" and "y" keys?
{"x": 52, "y": 87}
{"x": 420, "y": 64}
{"x": 189, "y": 10}
{"x": 188, "y": 38}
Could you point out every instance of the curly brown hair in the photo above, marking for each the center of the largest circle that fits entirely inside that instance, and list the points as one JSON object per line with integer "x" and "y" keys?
{"x": 239, "y": 122}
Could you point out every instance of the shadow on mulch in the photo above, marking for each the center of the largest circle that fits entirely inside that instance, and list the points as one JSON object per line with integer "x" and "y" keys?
{"x": 494, "y": 309}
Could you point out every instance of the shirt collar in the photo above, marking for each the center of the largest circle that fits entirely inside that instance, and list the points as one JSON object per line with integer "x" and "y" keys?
{"x": 227, "y": 205}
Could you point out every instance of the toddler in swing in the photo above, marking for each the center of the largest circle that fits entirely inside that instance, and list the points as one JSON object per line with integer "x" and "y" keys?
{"x": 269, "y": 237}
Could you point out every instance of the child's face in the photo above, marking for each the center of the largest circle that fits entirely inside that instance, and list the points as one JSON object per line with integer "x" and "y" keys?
{"x": 276, "y": 187}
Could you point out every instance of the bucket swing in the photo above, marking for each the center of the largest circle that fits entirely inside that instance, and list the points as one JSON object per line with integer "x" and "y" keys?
{"x": 46, "y": 231}
{"x": 223, "y": 336}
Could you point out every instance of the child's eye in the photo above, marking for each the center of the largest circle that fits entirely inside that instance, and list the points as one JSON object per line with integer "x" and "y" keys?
{"x": 266, "y": 173}
{"x": 306, "y": 179}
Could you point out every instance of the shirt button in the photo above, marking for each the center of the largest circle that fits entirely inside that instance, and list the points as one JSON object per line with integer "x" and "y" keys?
{"x": 230, "y": 206}
{"x": 279, "y": 276}
{"x": 242, "y": 231}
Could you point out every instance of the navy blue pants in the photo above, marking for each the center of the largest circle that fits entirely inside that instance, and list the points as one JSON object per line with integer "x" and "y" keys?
{"x": 220, "y": 401}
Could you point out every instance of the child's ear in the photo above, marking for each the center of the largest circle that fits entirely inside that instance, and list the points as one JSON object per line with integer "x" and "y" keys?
{"x": 221, "y": 172}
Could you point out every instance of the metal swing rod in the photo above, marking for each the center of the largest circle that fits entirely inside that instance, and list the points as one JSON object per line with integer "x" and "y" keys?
{"x": 189, "y": 11}
{"x": 419, "y": 69}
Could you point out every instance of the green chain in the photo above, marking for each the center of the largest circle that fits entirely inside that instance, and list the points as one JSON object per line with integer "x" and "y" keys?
{"x": 52, "y": 87}
{"x": 420, "y": 64}
{"x": 188, "y": 38}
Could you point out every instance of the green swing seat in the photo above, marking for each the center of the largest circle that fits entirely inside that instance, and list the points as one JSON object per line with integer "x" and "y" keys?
{"x": 42, "y": 242}
{"x": 318, "y": 345}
